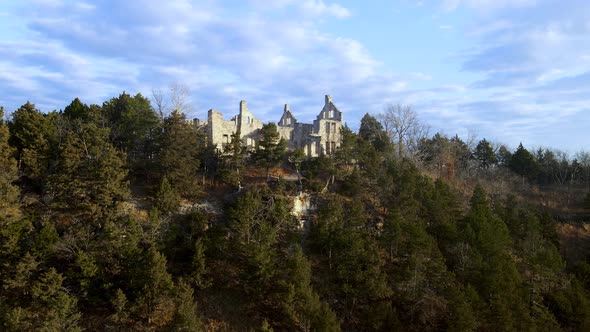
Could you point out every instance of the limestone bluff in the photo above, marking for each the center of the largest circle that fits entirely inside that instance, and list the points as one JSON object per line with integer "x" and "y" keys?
{"x": 321, "y": 137}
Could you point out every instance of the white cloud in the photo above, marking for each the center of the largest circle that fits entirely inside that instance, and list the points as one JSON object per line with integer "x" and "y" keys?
{"x": 319, "y": 8}
{"x": 310, "y": 8}
{"x": 487, "y": 5}
{"x": 529, "y": 67}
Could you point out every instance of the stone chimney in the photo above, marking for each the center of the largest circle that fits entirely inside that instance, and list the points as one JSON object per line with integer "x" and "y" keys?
{"x": 243, "y": 106}
{"x": 287, "y": 108}
{"x": 328, "y": 99}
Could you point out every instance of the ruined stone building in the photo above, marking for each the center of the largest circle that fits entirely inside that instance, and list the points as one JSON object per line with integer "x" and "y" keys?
{"x": 321, "y": 137}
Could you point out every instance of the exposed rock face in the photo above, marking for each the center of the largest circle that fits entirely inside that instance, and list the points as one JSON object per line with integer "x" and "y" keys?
{"x": 321, "y": 137}
{"x": 303, "y": 207}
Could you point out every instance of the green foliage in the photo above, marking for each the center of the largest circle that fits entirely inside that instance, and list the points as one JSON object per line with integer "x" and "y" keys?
{"x": 299, "y": 302}
{"x": 387, "y": 248}
{"x": 485, "y": 154}
{"x": 38, "y": 301}
{"x": 12, "y": 227}
{"x": 271, "y": 148}
{"x": 33, "y": 135}
{"x": 371, "y": 132}
{"x": 234, "y": 160}
{"x": 345, "y": 153}
{"x": 134, "y": 126}
{"x": 504, "y": 156}
{"x": 90, "y": 173}
{"x": 199, "y": 266}
{"x": 186, "y": 317}
{"x": 8, "y": 173}
{"x": 257, "y": 220}
{"x": 179, "y": 155}
{"x": 571, "y": 306}
{"x": 523, "y": 163}
{"x": 167, "y": 199}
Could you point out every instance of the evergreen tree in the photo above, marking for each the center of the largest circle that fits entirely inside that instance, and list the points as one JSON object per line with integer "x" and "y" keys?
{"x": 235, "y": 156}
{"x": 345, "y": 153}
{"x": 490, "y": 269}
{"x": 8, "y": 174}
{"x": 504, "y": 156}
{"x": 33, "y": 135}
{"x": 271, "y": 147}
{"x": 199, "y": 265}
{"x": 299, "y": 302}
{"x": 523, "y": 163}
{"x": 179, "y": 154}
{"x": 485, "y": 155}
{"x": 186, "y": 317}
{"x": 371, "y": 132}
{"x": 167, "y": 200}
{"x": 155, "y": 304}
{"x": 134, "y": 127}
{"x": 14, "y": 229}
{"x": 90, "y": 173}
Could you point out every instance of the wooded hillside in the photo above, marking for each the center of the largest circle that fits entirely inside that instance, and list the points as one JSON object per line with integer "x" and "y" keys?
{"x": 117, "y": 217}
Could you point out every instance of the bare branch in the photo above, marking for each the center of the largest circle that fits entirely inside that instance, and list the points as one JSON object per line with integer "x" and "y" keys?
{"x": 403, "y": 127}
{"x": 159, "y": 101}
{"x": 179, "y": 95}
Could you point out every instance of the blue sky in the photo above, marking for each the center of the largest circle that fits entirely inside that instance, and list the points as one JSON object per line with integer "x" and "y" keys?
{"x": 506, "y": 70}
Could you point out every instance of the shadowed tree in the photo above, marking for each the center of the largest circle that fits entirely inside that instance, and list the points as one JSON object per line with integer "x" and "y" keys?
{"x": 485, "y": 155}
{"x": 524, "y": 164}
{"x": 134, "y": 126}
{"x": 271, "y": 148}
{"x": 179, "y": 160}
{"x": 33, "y": 135}
{"x": 90, "y": 173}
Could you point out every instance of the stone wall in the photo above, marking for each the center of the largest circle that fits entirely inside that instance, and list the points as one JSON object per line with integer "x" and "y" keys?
{"x": 328, "y": 126}
{"x": 249, "y": 125}
{"x": 219, "y": 131}
{"x": 321, "y": 137}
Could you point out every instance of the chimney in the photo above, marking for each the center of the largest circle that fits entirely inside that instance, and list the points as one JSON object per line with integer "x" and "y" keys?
{"x": 328, "y": 99}
{"x": 287, "y": 108}
{"x": 243, "y": 106}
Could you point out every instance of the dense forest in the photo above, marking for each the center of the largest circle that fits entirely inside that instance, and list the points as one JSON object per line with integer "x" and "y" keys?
{"x": 119, "y": 217}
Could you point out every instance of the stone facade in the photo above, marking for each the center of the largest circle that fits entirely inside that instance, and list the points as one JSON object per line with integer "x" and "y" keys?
{"x": 321, "y": 137}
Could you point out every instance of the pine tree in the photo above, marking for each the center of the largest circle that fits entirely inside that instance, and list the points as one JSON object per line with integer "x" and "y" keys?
{"x": 186, "y": 317}
{"x": 484, "y": 153}
{"x": 491, "y": 270}
{"x": 179, "y": 154}
{"x": 199, "y": 265}
{"x": 167, "y": 200}
{"x": 8, "y": 174}
{"x": 271, "y": 147}
{"x": 523, "y": 163}
{"x": 134, "y": 127}
{"x": 56, "y": 308}
{"x": 301, "y": 304}
{"x": 155, "y": 303}
{"x": 33, "y": 135}
{"x": 90, "y": 173}
{"x": 13, "y": 227}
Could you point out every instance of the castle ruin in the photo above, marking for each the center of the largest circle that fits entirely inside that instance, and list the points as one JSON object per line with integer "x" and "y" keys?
{"x": 321, "y": 137}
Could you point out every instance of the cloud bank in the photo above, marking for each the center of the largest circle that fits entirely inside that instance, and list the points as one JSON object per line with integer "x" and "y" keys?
{"x": 527, "y": 61}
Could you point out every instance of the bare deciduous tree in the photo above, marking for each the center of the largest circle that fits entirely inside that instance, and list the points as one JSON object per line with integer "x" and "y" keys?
{"x": 177, "y": 99}
{"x": 179, "y": 96}
{"x": 402, "y": 125}
{"x": 583, "y": 157}
{"x": 159, "y": 101}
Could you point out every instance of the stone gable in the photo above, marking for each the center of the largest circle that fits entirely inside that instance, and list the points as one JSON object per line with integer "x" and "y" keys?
{"x": 321, "y": 137}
